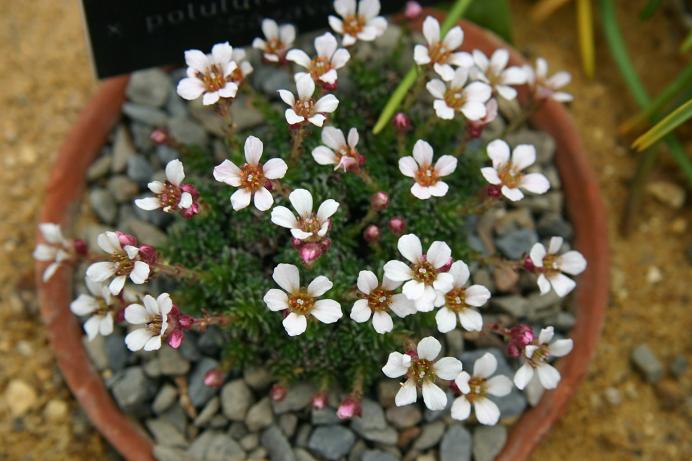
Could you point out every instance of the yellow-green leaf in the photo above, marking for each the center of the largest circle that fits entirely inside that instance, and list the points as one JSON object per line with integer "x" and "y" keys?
{"x": 665, "y": 126}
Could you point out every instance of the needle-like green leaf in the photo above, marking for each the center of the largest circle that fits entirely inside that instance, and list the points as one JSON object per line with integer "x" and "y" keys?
{"x": 665, "y": 126}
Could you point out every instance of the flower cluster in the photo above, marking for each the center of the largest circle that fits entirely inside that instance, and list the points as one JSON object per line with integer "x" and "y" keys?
{"x": 390, "y": 293}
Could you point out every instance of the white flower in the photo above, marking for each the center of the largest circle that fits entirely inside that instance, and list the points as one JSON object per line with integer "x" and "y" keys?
{"x": 169, "y": 195}
{"x": 496, "y": 73}
{"x": 305, "y": 108}
{"x": 460, "y": 302}
{"x": 421, "y": 370}
{"x": 154, "y": 318}
{"x": 54, "y": 248}
{"x": 278, "y": 40}
{"x": 545, "y": 87}
{"x": 427, "y": 176}
{"x": 324, "y": 66}
{"x": 337, "y": 151}
{"x": 301, "y": 302}
{"x": 243, "y": 66}
{"x": 124, "y": 263}
{"x": 425, "y": 284}
{"x": 308, "y": 225}
{"x": 508, "y": 173}
{"x": 475, "y": 390}
{"x": 361, "y": 24}
{"x": 456, "y": 96}
{"x": 99, "y": 306}
{"x": 442, "y": 53}
{"x": 551, "y": 266}
{"x": 536, "y": 356}
{"x": 252, "y": 177}
{"x": 378, "y": 300}
{"x": 209, "y": 75}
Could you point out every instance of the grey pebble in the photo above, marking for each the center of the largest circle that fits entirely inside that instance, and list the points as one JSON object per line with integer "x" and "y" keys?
{"x": 277, "y": 445}
{"x": 150, "y": 87}
{"x": 331, "y": 442}
{"x": 216, "y": 446}
{"x": 166, "y": 433}
{"x": 488, "y": 442}
{"x": 139, "y": 169}
{"x": 378, "y": 455}
{"x": 236, "y": 399}
{"x": 165, "y": 397}
{"x": 187, "y": 131}
{"x": 132, "y": 389}
{"x": 199, "y": 392}
{"x": 145, "y": 114}
{"x": 297, "y": 398}
{"x": 123, "y": 149}
{"x": 516, "y": 243}
{"x": 645, "y": 360}
{"x": 430, "y": 436}
{"x": 260, "y": 415}
{"x": 209, "y": 410}
{"x": 103, "y": 204}
{"x": 456, "y": 444}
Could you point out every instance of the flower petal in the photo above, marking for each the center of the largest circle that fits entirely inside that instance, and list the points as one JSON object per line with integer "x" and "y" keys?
{"x": 410, "y": 247}
{"x": 477, "y": 295}
{"x": 438, "y": 254}
{"x": 486, "y": 411}
{"x": 397, "y": 365}
{"x": 360, "y": 312}
{"x": 327, "y": 209}
{"x": 471, "y": 320}
{"x": 499, "y": 385}
{"x": 382, "y": 322}
{"x": 253, "y": 150}
{"x": 397, "y": 271}
{"x": 227, "y": 172}
{"x": 282, "y": 216}
{"x": 429, "y": 348}
{"x": 446, "y": 320}
{"x": 367, "y": 281}
{"x": 461, "y": 408}
{"x": 287, "y": 277}
{"x": 295, "y": 324}
{"x": 407, "y": 394}
{"x": 301, "y": 200}
{"x": 276, "y": 300}
{"x": 498, "y": 151}
{"x": 175, "y": 172}
{"x": 434, "y": 397}
{"x": 523, "y": 376}
{"x": 423, "y": 152}
{"x": 137, "y": 339}
{"x": 485, "y": 366}
{"x": 548, "y": 376}
{"x": 327, "y": 311}
{"x": 447, "y": 368}
{"x": 319, "y": 286}
{"x": 263, "y": 199}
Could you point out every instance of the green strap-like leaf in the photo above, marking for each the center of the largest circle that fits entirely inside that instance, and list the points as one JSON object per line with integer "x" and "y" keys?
{"x": 665, "y": 126}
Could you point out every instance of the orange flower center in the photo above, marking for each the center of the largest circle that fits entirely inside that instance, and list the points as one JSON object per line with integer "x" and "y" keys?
{"x": 300, "y": 302}
{"x": 319, "y": 66}
{"x": 309, "y": 224}
{"x": 509, "y": 175}
{"x": 274, "y": 46}
{"x": 353, "y": 24}
{"x": 439, "y": 53}
{"x": 549, "y": 264}
{"x": 454, "y": 98}
{"x": 379, "y": 299}
{"x": 455, "y": 300}
{"x": 424, "y": 272}
{"x": 426, "y": 175}
{"x": 170, "y": 196}
{"x": 213, "y": 78}
{"x": 478, "y": 389}
{"x": 123, "y": 263}
{"x": 251, "y": 177}
{"x": 155, "y": 323}
{"x": 304, "y": 107}
{"x": 421, "y": 370}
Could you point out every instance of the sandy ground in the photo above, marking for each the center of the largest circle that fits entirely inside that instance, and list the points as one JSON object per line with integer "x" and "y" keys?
{"x": 46, "y": 78}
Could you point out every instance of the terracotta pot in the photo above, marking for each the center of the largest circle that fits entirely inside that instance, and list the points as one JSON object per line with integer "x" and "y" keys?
{"x": 583, "y": 203}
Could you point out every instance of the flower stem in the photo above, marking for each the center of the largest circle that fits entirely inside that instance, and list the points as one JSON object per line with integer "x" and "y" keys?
{"x": 297, "y": 136}
{"x": 224, "y": 110}
{"x": 526, "y": 113}
{"x": 479, "y": 207}
{"x": 176, "y": 271}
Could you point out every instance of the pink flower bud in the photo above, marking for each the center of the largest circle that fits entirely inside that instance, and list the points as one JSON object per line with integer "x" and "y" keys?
{"x": 190, "y": 211}
{"x": 328, "y": 86}
{"x": 269, "y": 185}
{"x": 401, "y": 122}
{"x": 371, "y": 233}
{"x": 454, "y": 388}
{"x": 349, "y": 407}
{"x": 493, "y": 191}
{"x": 175, "y": 339}
{"x": 397, "y": 225}
{"x": 126, "y": 239}
{"x": 190, "y": 189}
{"x": 360, "y": 158}
{"x": 325, "y": 244}
{"x": 528, "y": 264}
{"x": 214, "y": 378}
{"x": 379, "y": 200}
{"x": 412, "y": 10}
{"x": 80, "y": 247}
{"x": 296, "y": 243}
{"x": 160, "y": 136}
{"x": 319, "y": 400}
{"x": 520, "y": 336}
{"x": 309, "y": 252}
{"x": 278, "y": 392}
{"x": 148, "y": 254}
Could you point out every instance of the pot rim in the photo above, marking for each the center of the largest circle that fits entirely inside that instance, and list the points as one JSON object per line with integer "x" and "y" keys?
{"x": 583, "y": 203}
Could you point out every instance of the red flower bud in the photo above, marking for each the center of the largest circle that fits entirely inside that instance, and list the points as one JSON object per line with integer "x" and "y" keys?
{"x": 328, "y": 86}
{"x": 397, "y": 225}
{"x": 319, "y": 400}
{"x": 446, "y": 267}
{"x": 309, "y": 252}
{"x": 528, "y": 264}
{"x": 412, "y": 10}
{"x": 325, "y": 244}
{"x": 494, "y": 191}
{"x": 371, "y": 233}
{"x": 160, "y": 136}
{"x": 126, "y": 239}
{"x": 349, "y": 407}
{"x": 80, "y": 247}
{"x": 148, "y": 254}
{"x": 379, "y": 200}
{"x": 401, "y": 122}
{"x": 278, "y": 392}
{"x": 214, "y": 378}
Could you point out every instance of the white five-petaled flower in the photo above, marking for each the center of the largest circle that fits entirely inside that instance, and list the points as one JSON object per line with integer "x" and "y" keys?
{"x": 441, "y": 53}
{"x": 54, "y": 249}
{"x": 456, "y": 96}
{"x": 508, "y": 173}
{"x": 305, "y": 109}
{"x": 301, "y": 302}
{"x": 550, "y": 266}
{"x": 427, "y": 175}
{"x": 124, "y": 263}
{"x": 460, "y": 302}
{"x": 209, "y": 75}
{"x": 535, "y": 360}
{"x": 425, "y": 283}
{"x": 545, "y": 87}
{"x": 98, "y": 305}
{"x": 378, "y": 300}
{"x": 496, "y": 73}
{"x": 308, "y": 225}
{"x": 362, "y": 23}
{"x": 169, "y": 195}
{"x": 337, "y": 151}
{"x": 421, "y": 370}
{"x": 277, "y": 40}
{"x": 476, "y": 388}
{"x": 153, "y": 317}
{"x": 324, "y": 66}
{"x": 251, "y": 178}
